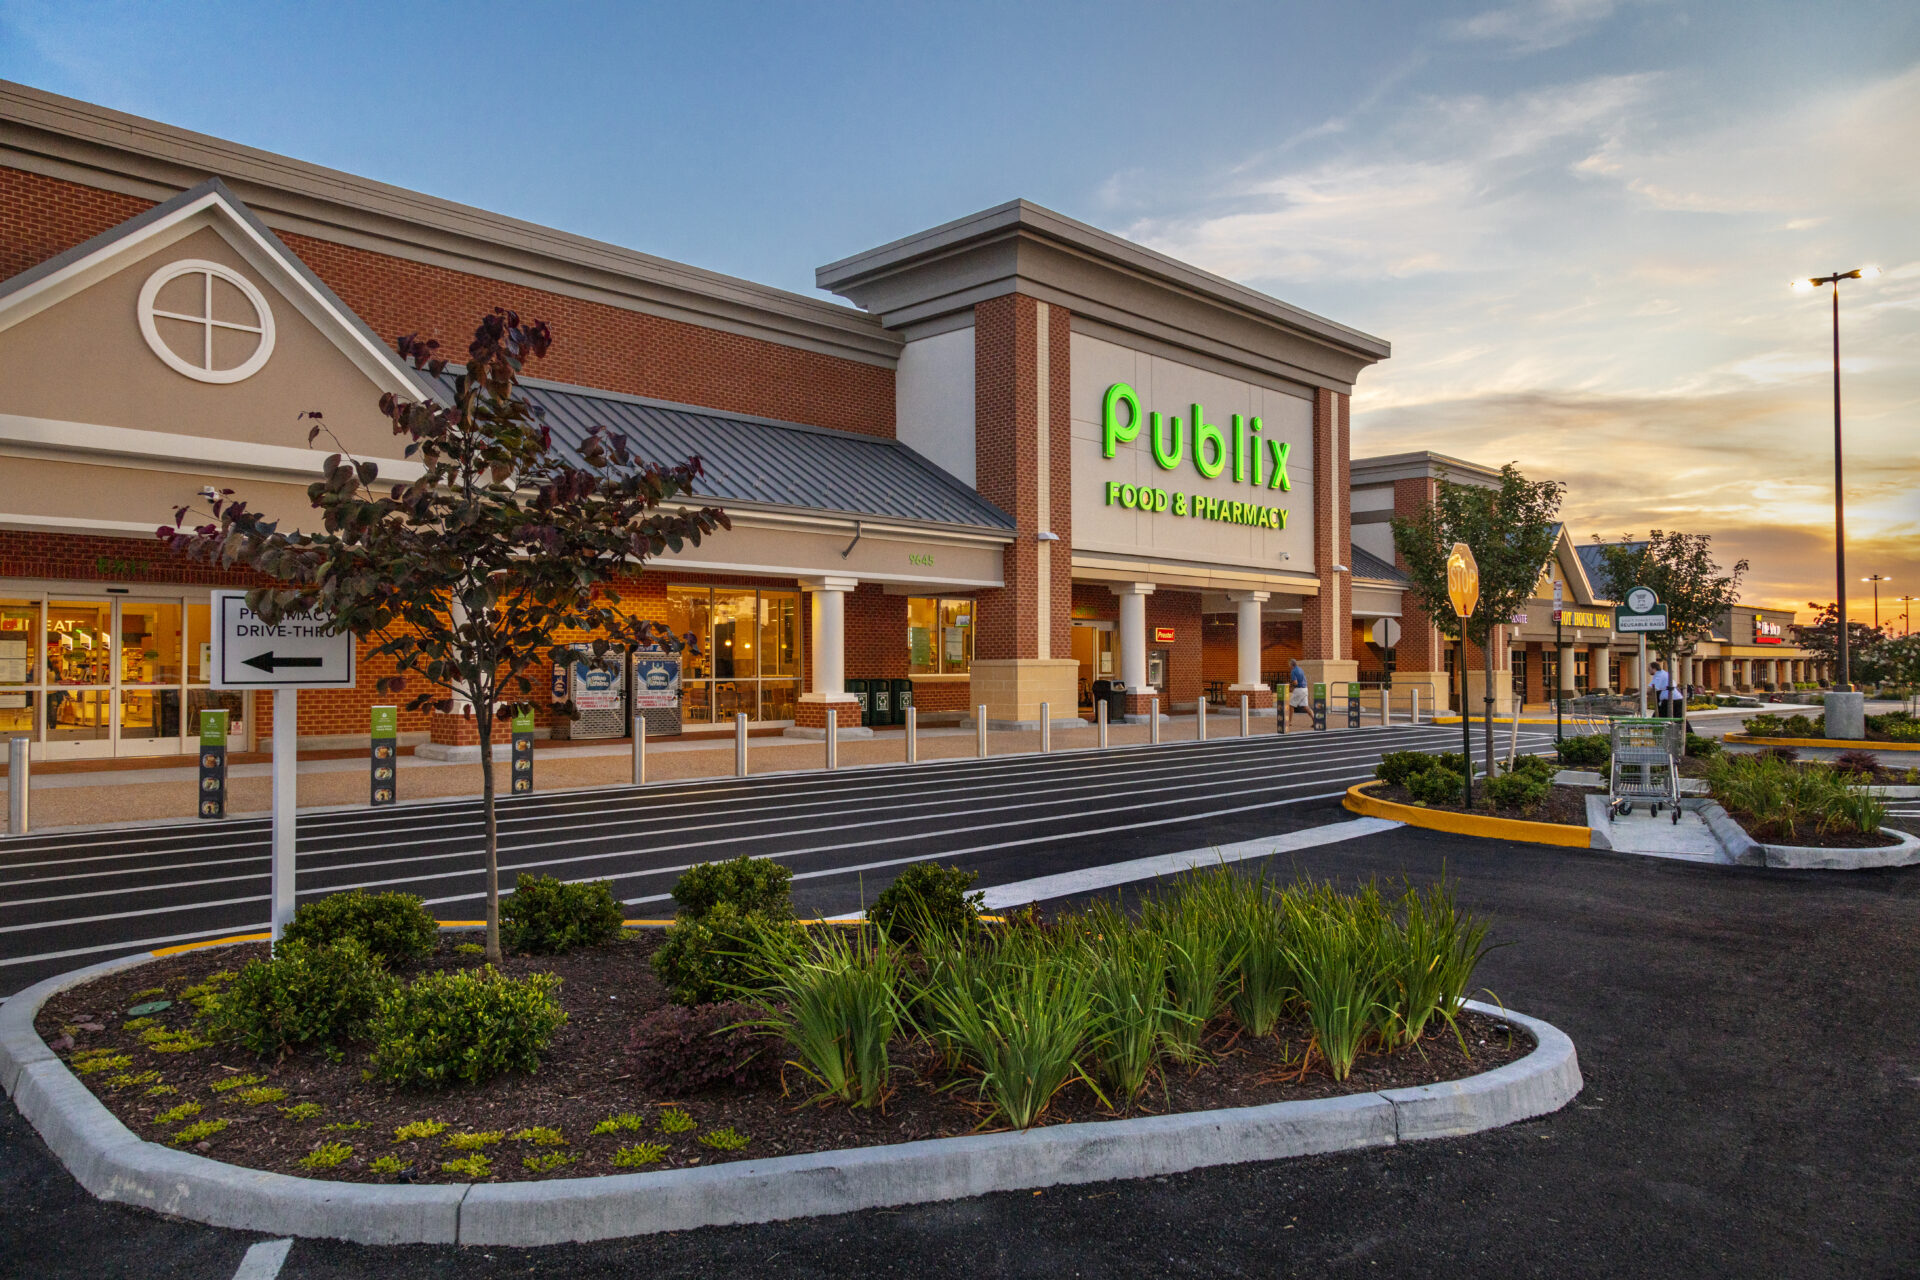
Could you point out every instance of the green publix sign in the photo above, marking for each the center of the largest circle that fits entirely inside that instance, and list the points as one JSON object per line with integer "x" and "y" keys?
{"x": 1256, "y": 460}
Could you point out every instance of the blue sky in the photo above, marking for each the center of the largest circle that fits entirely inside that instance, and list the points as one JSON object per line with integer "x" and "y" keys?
{"x": 1573, "y": 218}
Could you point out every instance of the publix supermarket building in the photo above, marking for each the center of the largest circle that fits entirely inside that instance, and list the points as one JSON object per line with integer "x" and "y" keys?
{"x": 1023, "y": 457}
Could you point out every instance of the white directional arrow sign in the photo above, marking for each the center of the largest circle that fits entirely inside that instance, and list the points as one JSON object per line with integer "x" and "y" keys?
{"x": 299, "y": 652}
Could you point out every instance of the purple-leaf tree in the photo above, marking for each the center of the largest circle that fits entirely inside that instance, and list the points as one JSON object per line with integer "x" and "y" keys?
{"x": 465, "y": 576}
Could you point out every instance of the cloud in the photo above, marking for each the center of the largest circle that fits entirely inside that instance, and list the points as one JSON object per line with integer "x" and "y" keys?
{"x": 1537, "y": 25}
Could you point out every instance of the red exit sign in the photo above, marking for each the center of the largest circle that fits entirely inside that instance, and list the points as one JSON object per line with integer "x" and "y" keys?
{"x": 1163, "y": 635}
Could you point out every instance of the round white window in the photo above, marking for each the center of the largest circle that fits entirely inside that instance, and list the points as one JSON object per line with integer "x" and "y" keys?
{"x": 206, "y": 321}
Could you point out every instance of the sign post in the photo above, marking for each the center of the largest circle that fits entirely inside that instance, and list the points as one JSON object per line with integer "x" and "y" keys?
{"x": 301, "y": 651}
{"x": 386, "y": 756}
{"x": 522, "y": 752}
{"x": 1641, "y": 613}
{"x": 213, "y": 763}
{"x": 1463, "y": 592}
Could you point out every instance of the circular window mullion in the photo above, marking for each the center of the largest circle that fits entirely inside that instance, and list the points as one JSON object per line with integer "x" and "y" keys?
{"x": 208, "y": 271}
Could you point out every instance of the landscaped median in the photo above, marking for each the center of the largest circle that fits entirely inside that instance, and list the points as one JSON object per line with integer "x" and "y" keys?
{"x": 1466, "y": 824}
{"x": 370, "y": 1081}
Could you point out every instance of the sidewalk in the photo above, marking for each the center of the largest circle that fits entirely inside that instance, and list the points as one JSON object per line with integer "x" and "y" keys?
{"x": 144, "y": 791}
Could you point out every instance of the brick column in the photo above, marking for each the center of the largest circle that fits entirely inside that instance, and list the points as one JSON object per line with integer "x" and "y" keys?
{"x": 1022, "y": 405}
{"x": 1420, "y": 659}
{"x": 1326, "y": 619}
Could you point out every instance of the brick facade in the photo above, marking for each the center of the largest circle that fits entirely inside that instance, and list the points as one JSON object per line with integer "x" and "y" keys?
{"x": 1327, "y": 618}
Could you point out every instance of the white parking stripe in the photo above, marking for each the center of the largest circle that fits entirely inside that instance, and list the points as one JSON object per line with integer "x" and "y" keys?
{"x": 264, "y": 1260}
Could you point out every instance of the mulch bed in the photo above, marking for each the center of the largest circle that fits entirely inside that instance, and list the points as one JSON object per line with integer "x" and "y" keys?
{"x": 1565, "y": 806}
{"x": 587, "y": 1078}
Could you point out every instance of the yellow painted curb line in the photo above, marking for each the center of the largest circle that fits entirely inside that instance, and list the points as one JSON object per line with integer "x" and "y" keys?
{"x": 1496, "y": 720}
{"x": 1841, "y": 743}
{"x": 1466, "y": 824}
{"x": 210, "y": 942}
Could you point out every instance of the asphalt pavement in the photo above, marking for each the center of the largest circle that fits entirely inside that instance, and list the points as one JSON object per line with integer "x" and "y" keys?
{"x": 1747, "y": 1038}
{"x": 67, "y": 900}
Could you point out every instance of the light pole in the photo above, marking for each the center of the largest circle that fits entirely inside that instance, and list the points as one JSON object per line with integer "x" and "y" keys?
{"x": 1906, "y": 614}
{"x": 1845, "y": 683}
{"x": 1559, "y": 727}
{"x": 1876, "y": 579}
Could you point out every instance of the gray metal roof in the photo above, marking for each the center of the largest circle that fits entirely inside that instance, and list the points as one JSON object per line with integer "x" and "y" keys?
{"x": 768, "y": 462}
{"x": 1596, "y": 566}
{"x": 1367, "y": 565}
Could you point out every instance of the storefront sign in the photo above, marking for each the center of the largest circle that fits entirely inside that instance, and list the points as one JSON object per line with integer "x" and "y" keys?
{"x": 213, "y": 763}
{"x": 522, "y": 726}
{"x": 1198, "y": 505}
{"x": 385, "y": 756}
{"x": 1255, "y": 460}
{"x": 1163, "y": 635}
{"x": 1765, "y": 632}
{"x": 1595, "y": 618}
{"x": 656, "y": 680}
{"x": 301, "y": 651}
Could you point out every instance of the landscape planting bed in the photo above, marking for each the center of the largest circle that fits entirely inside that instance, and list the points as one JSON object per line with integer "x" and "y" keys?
{"x": 586, "y": 1079}
{"x": 1564, "y": 806}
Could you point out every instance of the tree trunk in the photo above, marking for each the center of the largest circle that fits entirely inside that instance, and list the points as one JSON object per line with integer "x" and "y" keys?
{"x": 494, "y": 956}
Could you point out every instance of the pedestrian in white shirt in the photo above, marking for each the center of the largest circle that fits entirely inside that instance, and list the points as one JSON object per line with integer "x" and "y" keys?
{"x": 1659, "y": 690}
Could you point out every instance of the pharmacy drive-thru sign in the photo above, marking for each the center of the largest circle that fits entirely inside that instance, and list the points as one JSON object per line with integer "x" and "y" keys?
{"x": 301, "y": 651}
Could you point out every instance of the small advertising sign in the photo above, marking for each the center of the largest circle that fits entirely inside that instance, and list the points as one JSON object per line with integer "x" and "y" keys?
{"x": 213, "y": 763}
{"x": 1319, "y": 706}
{"x": 522, "y": 752}
{"x": 656, "y": 680}
{"x": 1163, "y": 635}
{"x": 1353, "y": 706}
{"x": 596, "y": 688}
{"x": 384, "y": 788}
{"x": 1641, "y": 611}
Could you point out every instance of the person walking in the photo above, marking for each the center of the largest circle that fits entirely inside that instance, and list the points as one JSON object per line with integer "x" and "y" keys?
{"x": 1660, "y": 691}
{"x": 1296, "y": 691}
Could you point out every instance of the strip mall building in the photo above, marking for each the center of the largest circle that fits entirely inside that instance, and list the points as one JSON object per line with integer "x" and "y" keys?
{"x": 1031, "y": 455}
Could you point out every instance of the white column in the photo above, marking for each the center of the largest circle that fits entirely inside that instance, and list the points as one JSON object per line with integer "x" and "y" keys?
{"x": 1248, "y": 603}
{"x": 1133, "y": 634}
{"x": 827, "y": 598}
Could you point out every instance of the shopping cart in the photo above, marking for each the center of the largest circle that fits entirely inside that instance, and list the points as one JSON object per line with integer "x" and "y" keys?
{"x": 1645, "y": 755}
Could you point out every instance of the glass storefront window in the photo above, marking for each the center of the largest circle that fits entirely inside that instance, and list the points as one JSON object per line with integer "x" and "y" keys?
{"x": 19, "y": 631}
{"x": 939, "y": 636}
{"x": 150, "y": 642}
{"x": 79, "y": 642}
{"x": 199, "y": 644}
{"x": 79, "y": 715}
{"x": 232, "y": 701}
{"x": 750, "y": 652}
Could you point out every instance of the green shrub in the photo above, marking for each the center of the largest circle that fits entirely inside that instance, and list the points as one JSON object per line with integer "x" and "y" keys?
{"x": 752, "y": 885}
{"x": 545, "y": 916}
{"x": 466, "y": 1026}
{"x": 674, "y": 1120}
{"x": 639, "y": 1155}
{"x": 1453, "y": 760}
{"x": 1766, "y": 725}
{"x": 392, "y": 926}
{"x": 1515, "y": 790}
{"x": 327, "y": 1155}
{"x": 1538, "y": 766}
{"x": 1396, "y": 767}
{"x": 1903, "y": 731}
{"x": 926, "y": 896}
{"x": 727, "y": 1139}
{"x": 836, "y": 1004}
{"x": 1437, "y": 786}
{"x": 302, "y": 995}
{"x": 718, "y": 956}
{"x": 1586, "y": 751}
{"x": 1702, "y": 748}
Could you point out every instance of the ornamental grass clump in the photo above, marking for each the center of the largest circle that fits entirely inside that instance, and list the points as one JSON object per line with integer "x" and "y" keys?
{"x": 1333, "y": 951}
{"x": 1428, "y": 957}
{"x": 1781, "y": 802}
{"x": 1260, "y": 989}
{"x": 1021, "y": 1025}
{"x": 836, "y": 1003}
{"x": 1130, "y": 1011}
{"x": 1202, "y": 957}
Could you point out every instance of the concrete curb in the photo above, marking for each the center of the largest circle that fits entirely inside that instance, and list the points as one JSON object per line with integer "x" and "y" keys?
{"x": 114, "y": 1164}
{"x": 1466, "y": 824}
{"x": 1740, "y": 848}
{"x": 1836, "y": 744}
{"x": 1810, "y": 858}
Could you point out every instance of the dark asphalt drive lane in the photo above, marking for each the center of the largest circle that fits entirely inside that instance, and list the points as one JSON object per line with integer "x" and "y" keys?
{"x": 67, "y": 900}
{"x": 1749, "y": 1042}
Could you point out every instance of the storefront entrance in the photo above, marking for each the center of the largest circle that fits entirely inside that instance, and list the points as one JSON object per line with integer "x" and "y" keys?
{"x": 107, "y": 675}
{"x": 1093, "y": 649}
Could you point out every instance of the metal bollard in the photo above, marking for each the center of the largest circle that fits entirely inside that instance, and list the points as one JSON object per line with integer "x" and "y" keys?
{"x": 913, "y": 735}
{"x": 739, "y": 744}
{"x": 1046, "y": 728}
{"x": 1153, "y": 721}
{"x": 1246, "y": 718}
{"x": 1416, "y": 705}
{"x": 1200, "y": 721}
{"x": 980, "y": 731}
{"x": 1100, "y": 721}
{"x": 639, "y": 749}
{"x": 19, "y": 785}
{"x": 1386, "y": 706}
{"x": 833, "y": 739}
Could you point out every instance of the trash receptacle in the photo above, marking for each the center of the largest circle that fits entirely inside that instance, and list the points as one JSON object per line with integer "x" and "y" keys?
{"x": 858, "y": 688}
{"x": 879, "y": 703}
{"x": 902, "y": 699}
{"x": 1114, "y": 694}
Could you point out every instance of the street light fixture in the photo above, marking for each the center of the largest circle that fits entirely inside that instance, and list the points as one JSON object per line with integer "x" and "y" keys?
{"x": 1906, "y": 614}
{"x": 1845, "y": 684}
{"x": 1876, "y": 579}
